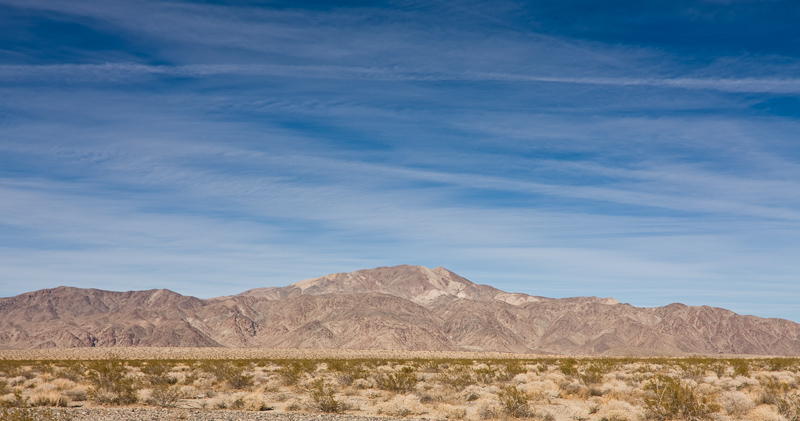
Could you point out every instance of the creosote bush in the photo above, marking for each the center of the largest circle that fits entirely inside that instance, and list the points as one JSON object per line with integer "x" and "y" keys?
{"x": 402, "y": 381}
{"x": 230, "y": 372}
{"x": 292, "y": 371}
{"x": 347, "y": 371}
{"x": 322, "y": 395}
{"x": 669, "y": 398}
{"x": 111, "y": 384}
{"x": 569, "y": 366}
{"x": 457, "y": 379}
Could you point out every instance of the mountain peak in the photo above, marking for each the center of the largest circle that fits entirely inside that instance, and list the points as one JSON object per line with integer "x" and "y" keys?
{"x": 415, "y": 283}
{"x": 418, "y": 284}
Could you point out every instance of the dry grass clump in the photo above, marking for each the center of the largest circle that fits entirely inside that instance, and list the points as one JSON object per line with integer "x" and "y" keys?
{"x": 44, "y": 397}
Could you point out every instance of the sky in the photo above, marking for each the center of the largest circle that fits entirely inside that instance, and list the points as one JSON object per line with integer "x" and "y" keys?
{"x": 644, "y": 150}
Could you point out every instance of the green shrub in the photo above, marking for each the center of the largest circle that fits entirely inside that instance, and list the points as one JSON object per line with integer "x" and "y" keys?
{"x": 568, "y": 366}
{"x": 741, "y": 367}
{"x": 512, "y": 368}
{"x": 593, "y": 373}
{"x": 780, "y": 364}
{"x": 292, "y": 371}
{"x": 789, "y": 406}
{"x": 347, "y": 371}
{"x": 668, "y": 398}
{"x": 485, "y": 375}
{"x": 111, "y": 384}
{"x": 780, "y": 395}
{"x": 323, "y": 397}
{"x": 457, "y": 379}
{"x": 231, "y": 372}
{"x": 772, "y": 391}
{"x": 402, "y": 381}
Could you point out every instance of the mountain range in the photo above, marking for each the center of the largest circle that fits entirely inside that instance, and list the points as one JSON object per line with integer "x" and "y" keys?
{"x": 400, "y": 308}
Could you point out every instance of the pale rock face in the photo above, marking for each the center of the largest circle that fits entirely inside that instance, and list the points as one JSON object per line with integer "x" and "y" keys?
{"x": 400, "y": 307}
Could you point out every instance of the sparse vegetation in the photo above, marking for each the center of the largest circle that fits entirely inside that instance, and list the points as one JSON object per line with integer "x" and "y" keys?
{"x": 434, "y": 386}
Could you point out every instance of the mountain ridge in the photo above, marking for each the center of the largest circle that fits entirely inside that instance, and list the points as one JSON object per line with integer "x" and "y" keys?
{"x": 400, "y": 307}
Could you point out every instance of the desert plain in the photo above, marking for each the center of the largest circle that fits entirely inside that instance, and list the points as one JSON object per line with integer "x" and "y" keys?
{"x": 298, "y": 384}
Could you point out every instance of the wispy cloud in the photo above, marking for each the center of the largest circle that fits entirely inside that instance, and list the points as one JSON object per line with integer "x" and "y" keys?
{"x": 213, "y": 149}
{"x": 127, "y": 72}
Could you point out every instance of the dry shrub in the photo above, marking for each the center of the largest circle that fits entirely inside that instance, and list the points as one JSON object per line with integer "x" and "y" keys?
{"x": 402, "y": 406}
{"x": 63, "y": 384}
{"x": 451, "y": 412}
{"x": 165, "y": 396}
{"x": 76, "y": 394}
{"x": 514, "y": 402}
{"x": 735, "y": 403}
{"x": 247, "y": 401}
{"x": 765, "y": 413}
{"x": 487, "y": 412}
{"x": 614, "y": 410}
{"x": 614, "y": 417}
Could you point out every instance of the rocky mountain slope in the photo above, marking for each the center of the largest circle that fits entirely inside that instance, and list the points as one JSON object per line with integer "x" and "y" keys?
{"x": 401, "y": 307}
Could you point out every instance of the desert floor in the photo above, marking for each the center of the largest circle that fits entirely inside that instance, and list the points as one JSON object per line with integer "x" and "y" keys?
{"x": 299, "y": 385}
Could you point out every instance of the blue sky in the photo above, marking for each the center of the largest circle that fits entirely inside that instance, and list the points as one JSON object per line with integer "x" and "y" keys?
{"x": 648, "y": 151}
